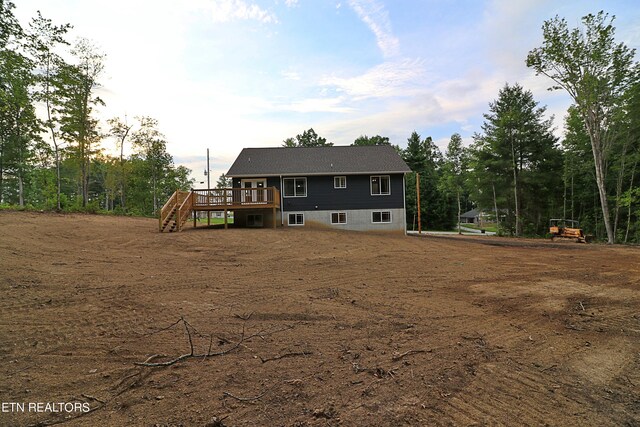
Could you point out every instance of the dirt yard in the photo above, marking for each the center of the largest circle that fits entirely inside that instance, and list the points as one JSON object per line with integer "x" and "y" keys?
{"x": 292, "y": 327}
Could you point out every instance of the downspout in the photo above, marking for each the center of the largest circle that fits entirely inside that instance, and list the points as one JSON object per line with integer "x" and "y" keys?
{"x": 281, "y": 203}
{"x": 404, "y": 203}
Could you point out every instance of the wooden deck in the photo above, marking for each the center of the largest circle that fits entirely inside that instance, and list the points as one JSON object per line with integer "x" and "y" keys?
{"x": 236, "y": 198}
{"x": 182, "y": 204}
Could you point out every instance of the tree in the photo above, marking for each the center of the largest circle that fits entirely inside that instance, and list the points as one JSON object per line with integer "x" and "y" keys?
{"x": 454, "y": 170}
{"x": 19, "y": 125}
{"x": 517, "y": 143}
{"x": 223, "y": 181}
{"x": 595, "y": 71}
{"x": 424, "y": 157}
{"x": 415, "y": 154}
{"x": 44, "y": 37}
{"x": 151, "y": 146}
{"x": 75, "y": 88}
{"x": 120, "y": 129}
{"x": 373, "y": 140}
{"x": 10, "y": 29}
{"x": 308, "y": 138}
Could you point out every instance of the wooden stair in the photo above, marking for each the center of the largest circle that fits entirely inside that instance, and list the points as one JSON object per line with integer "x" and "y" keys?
{"x": 176, "y": 211}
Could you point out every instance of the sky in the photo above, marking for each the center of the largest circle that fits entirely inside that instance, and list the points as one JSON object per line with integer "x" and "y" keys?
{"x": 230, "y": 74}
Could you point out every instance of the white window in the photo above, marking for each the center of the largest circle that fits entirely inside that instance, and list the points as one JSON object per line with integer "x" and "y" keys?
{"x": 381, "y": 217}
{"x": 338, "y": 217}
{"x": 296, "y": 219}
{"x": 295, "y": 187}
{"x": 380, "y": 185}
{"x": 339, "y": 182}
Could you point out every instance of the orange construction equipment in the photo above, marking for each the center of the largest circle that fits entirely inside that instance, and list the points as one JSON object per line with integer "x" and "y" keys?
{"x": 566, "y": 229}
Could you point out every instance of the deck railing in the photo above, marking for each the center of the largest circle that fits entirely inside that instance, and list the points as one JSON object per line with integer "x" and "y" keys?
{"x": 236, "y": 197}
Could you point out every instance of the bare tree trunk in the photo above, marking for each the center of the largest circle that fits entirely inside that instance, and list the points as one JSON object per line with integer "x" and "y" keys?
{"x": 598, "y": 159}
{"x": 572, "y": 214}
{"x": 633, "y": 172}
{"x": 122, "y": 177}
{"x": 53, "y": 136}
{"x": 459, "y": 213}
{"x": 515, "y": 182}
{"x": 155, "y": 199}
{"x": 495, "y": 206}
{"x": 1, "y": 170}
{"x": 21, "y": 190}
{"x": 122, "y": 170}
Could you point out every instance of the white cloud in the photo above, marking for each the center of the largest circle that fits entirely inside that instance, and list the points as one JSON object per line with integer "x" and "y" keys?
{"x": 291, "y": 3}
{"x": 316, "y": 105}
{"x": 387, "y": 79}
{"x": 376, "y": 17}
{"x": 290, "y": 75}
{"x": 232, "y": 10}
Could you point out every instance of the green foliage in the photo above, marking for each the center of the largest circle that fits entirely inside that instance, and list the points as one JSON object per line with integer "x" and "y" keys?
{"x": 224, "y": 181}
{"x": 308, "y": 138}
{"x": 515, "y": 157}
{"x": 373, "y": 140}
{"x": 596, "y": 72}
{"x": 436, "y": 207}
{"x": 454, "y": 173}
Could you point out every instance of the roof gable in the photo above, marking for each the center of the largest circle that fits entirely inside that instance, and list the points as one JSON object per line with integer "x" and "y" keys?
{"x": 318, "y": 161}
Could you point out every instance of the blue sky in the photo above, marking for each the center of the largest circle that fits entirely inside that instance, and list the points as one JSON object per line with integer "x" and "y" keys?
{"x": 228, "y": 74}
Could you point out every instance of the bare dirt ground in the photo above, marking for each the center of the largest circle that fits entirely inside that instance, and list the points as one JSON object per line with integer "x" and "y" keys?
{"x": 340, "y": 328}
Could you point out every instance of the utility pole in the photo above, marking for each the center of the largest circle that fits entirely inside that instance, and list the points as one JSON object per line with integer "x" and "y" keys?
{"x": 418, "y": 196}
{"x": 208, "y": 189}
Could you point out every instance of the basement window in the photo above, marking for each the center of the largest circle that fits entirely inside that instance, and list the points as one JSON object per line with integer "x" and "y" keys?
{"x": 381, "y": 217}
{"x": 296, "y": 219}
{"x": 338, "y": 218}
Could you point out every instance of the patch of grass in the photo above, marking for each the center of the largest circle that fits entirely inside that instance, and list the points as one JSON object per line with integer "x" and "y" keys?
{"x": 486, "y": 227}
{"x": 202, "y": 221}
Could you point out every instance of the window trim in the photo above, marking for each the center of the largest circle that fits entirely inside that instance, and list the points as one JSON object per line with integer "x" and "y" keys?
{"x": 388, "y": 177}
{"x": 294, "y": 178}
{"x": 289, "y": 219}
{"x": 338, "y": 213}
{"x": 381, "y": 221}
{"x": 337, "y": 177}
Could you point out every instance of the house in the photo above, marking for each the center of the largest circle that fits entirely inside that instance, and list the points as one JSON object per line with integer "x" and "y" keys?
{"x": 470, "y": 217}
{"x": 342, "y": 187}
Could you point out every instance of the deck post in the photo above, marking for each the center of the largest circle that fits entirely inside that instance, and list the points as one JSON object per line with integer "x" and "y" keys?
{"x": 274, "y": 217}
{"x": 195, "y": 216}
{"x": 225, "y": 218}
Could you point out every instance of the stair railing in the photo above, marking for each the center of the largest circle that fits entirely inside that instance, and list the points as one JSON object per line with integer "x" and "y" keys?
{"x": 184, "y": 210}
{"x": 167, "y": 209}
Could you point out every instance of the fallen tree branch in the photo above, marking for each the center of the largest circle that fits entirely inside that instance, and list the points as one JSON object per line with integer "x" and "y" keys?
{"x": 192, "y": 353}
{"x": 245, "y": 399}
{"x": 163, "y": 329}
{"x": 283, "y": 356}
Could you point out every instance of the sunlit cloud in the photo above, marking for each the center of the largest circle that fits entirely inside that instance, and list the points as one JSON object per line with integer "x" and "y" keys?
{"x": 231, "y": 10}
{"x": 376, "y": 17}
{"x": 396, "y": 78}
{"x": 314, "y": 105}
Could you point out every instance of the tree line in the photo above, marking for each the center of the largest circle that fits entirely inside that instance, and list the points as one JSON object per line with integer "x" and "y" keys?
{"x": 516, "y": 171}
{"x": 51, "y": 152}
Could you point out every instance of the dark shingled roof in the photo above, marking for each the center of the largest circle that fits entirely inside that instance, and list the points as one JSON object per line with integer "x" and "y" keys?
{"x": 317, "y": 161}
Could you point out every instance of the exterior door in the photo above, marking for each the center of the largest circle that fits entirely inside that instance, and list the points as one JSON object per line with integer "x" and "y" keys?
{"x": 254, "y": 191}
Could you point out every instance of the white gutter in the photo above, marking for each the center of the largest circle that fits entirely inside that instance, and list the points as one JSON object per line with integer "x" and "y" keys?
{"x": 281, "y": 203}
{"x": 404, "y": 202}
